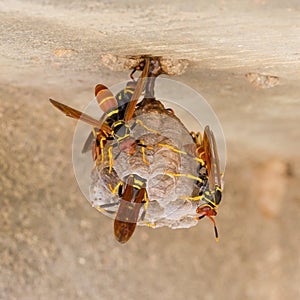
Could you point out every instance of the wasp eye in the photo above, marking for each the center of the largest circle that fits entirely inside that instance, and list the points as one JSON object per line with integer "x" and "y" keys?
{"x": 218, "y": 196}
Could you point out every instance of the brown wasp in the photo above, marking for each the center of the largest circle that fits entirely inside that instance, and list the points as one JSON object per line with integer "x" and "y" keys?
{"x": 123, "y": 98}
{"x": 133, "y": 196}
{"x": 210, "y": 191}
{"x": 114, "y": 124}
{"x": 208, "y": 181}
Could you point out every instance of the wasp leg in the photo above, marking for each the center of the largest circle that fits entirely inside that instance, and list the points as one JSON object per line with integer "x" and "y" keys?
{"x": 131, "y": 74}
{"x": 198, "y": 139}
{"x": 102, "y": 140}
{"x": 141, "y": 143}
{"x": 139, "y": 67}
{"x": 146, "y": 203}
{"x": 102, "y": 208}
{"x": 110, "y": 159}
{"x": 101, "y": 146}
{"x": 117, "y": 188}
{"x": 99, "y": 140}
{"x": 196, "y": 198}
{"x": 146, "y": 127}
{"x": 96, "y": 152}
{"x": 172, "y": 148}
{"x": 109, "y": 204}
{"x": 185, "y": 175}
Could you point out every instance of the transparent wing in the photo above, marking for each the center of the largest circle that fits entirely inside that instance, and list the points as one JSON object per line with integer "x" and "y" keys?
{"x": 212, "y": 158}
{"x": 138, "y": 91}
{"x": 78, "y": 115}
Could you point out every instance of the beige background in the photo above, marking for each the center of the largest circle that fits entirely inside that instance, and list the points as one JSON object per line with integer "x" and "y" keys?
{"x": 53, "y": 245}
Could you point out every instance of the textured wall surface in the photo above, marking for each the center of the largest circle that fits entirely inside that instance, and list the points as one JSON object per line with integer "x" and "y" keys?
{"x": 53, "y": 244}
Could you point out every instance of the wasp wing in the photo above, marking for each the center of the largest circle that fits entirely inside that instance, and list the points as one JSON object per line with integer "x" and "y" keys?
{"x": 89, "y": 140}
{"x": 211, "y": 158}
{"x": 78, "y": 115}
{"x": 138, "y": 91}
{"x": 128, "y": 212}
{"x": 88, "y": 143}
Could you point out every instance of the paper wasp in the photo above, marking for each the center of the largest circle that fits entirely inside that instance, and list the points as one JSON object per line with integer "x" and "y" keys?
{"x": 211, "y": 190}
{"x": 133, "y": 197}
{"x": 114, "y": 124}
{"x": 208, "y": 180}
{"x": 123, "y": 98}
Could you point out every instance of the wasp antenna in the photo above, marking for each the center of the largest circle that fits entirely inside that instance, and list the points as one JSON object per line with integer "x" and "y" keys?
{"x": 216, "y": 234}
{"x": 131, "y": 74}
{"x": 215, "y": 228}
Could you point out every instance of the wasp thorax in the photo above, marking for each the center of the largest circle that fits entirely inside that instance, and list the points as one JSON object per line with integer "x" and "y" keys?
{"x": 120, "y": 129}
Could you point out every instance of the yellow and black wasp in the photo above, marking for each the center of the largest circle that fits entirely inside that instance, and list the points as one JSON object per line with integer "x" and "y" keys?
{"x": 210, "y": 191}
{"x": 114, "y": 124}
{"x": 133, "y": 196}
{"x": 118, "y": 113}
{"x": 208, "y": 179}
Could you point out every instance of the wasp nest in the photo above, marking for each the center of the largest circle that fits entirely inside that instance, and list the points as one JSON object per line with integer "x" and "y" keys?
{"x": 170, "y": 153}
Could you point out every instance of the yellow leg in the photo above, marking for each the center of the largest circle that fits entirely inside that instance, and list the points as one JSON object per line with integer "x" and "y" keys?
{"x": 196, "y": 198}
{"x": 197, "y": 137}
{"x": 97, "y": 149}
{"x": 184, "y": 175}
{"x": 110, "y": 158}
{"x": 153, "y": 225}
{"x": 145, "y": 208}
{"x": 97, "y": 156}
{"x": 198, "y": 141}
{"x": 172, "y": 148}
{"x": 102, "y": 149}
{"x": 146, "y": 201}
{"x": 143, "y": 152}
{"x": 146, "y": 127}
{"x": 98, "y": 136}
{"x": 199, "y": 160}
{"x": 115, "y": 189}
{"x": 99, "y": 208}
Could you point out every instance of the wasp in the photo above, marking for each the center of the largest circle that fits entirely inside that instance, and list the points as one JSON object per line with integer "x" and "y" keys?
{"x": 210, "y": 192}
{"x": 114, "y": 124}
{"x": 123, "y": 98}
{"x": 208, "y": 179}
{"x": 133, "y": 196}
